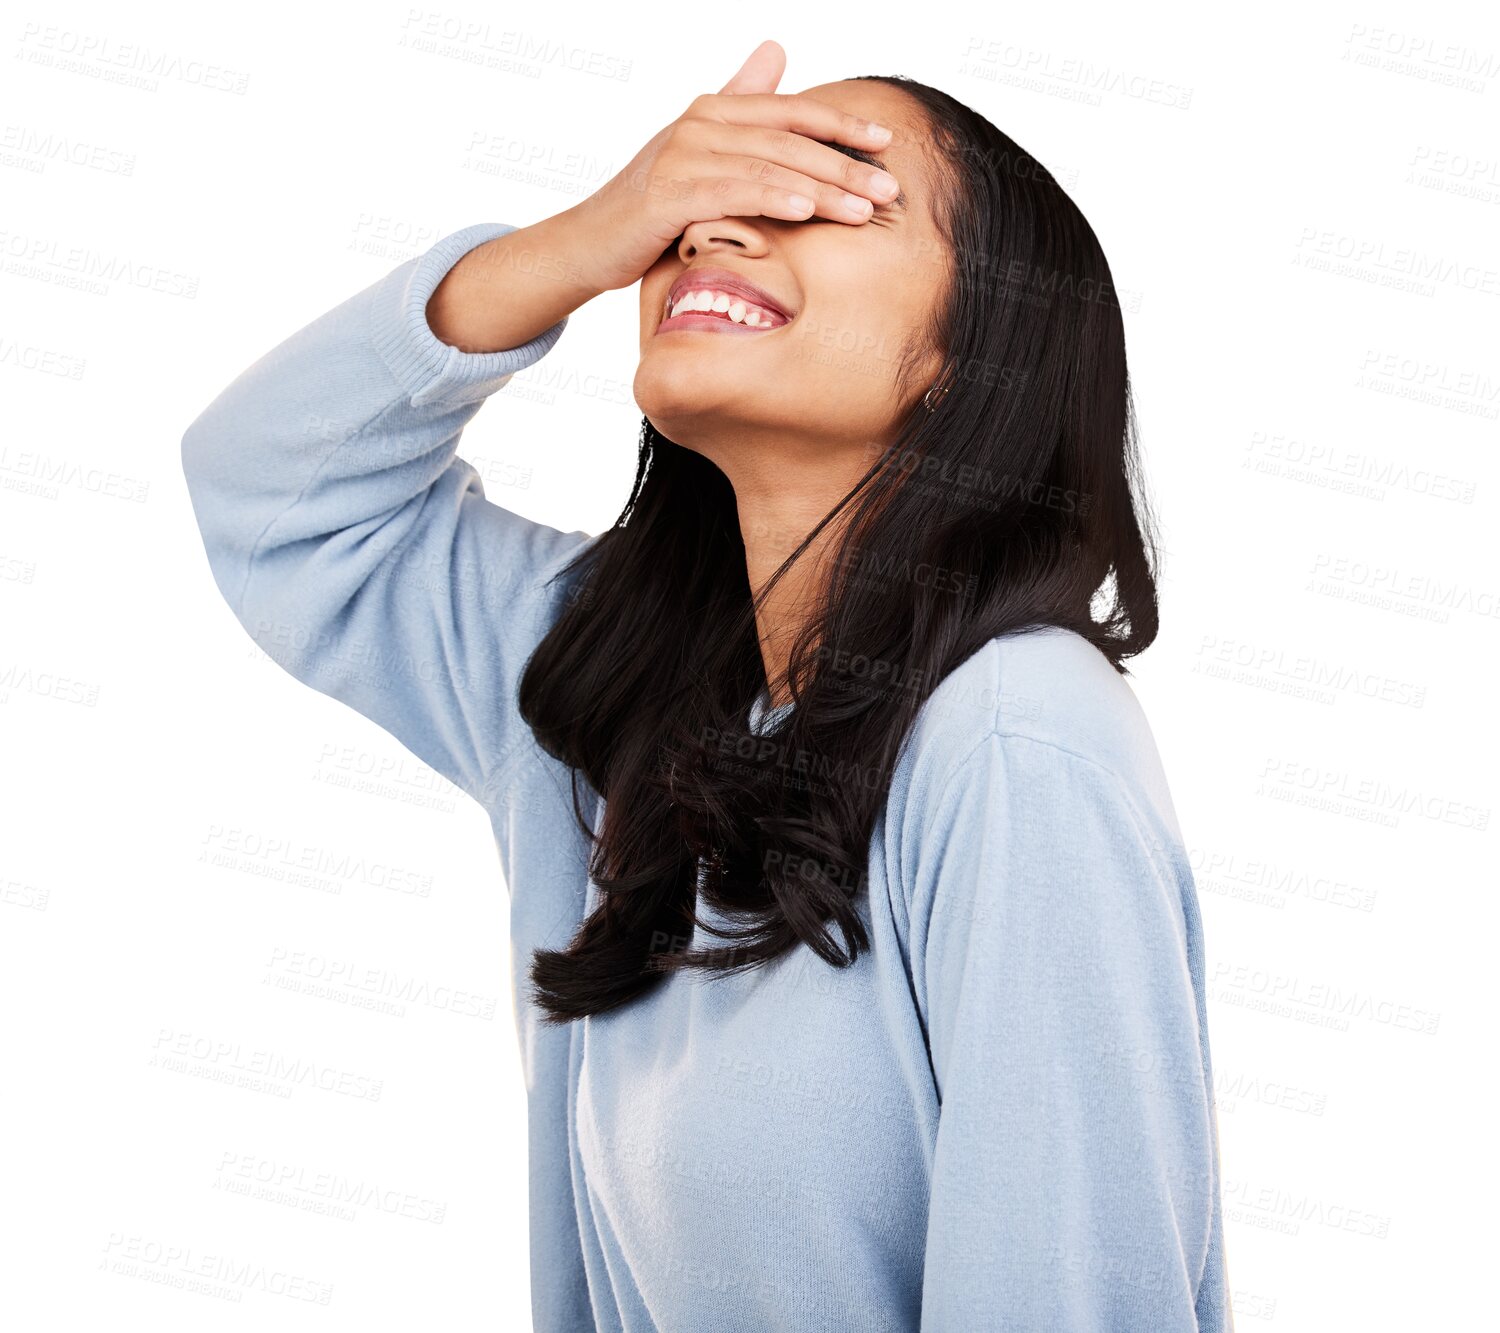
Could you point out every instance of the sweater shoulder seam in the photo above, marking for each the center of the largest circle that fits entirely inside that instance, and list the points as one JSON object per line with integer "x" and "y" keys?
{"x": 1115, "y": 780}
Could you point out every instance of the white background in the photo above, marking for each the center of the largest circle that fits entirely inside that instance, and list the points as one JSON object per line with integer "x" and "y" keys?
{"x": 1302, "y": 201}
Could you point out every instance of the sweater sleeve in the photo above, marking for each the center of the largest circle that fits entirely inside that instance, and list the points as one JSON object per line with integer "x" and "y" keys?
{"x": 356, "y": 547}
{"x": 1057, "y": 965}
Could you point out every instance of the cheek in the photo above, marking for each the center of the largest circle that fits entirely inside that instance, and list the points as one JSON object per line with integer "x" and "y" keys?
{"x": 651, "y": 308}
{"x": 868, "y": 296}
{"x": 656, "y": 282}
{"x": 856, "y": 343}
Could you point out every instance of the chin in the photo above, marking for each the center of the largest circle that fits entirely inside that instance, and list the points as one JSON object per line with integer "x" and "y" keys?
{"x": 677, "y": 389}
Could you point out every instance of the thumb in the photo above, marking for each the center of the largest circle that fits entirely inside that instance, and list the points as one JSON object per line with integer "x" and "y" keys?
{"x": 761, "y": 72}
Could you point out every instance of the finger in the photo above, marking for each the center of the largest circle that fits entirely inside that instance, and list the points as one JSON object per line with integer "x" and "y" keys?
{"x": 717, "y": 197}
{"x": 795, "y": 111}
{"x": 761, "y": 72}
{"x": 795, "y": 162}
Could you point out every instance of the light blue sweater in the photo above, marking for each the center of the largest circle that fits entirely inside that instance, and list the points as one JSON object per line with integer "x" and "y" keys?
{"x": 1001, "y": 1117}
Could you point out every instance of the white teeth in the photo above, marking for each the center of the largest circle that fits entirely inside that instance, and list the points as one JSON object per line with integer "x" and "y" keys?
{"x": 736, "y": 308}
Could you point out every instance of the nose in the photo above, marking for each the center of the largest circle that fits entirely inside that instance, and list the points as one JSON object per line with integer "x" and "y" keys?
{"x": 750, "y": 236}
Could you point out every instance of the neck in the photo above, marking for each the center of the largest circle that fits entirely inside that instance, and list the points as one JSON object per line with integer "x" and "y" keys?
{"x": 776, "y": 513}
{"x": 784, "y": 485}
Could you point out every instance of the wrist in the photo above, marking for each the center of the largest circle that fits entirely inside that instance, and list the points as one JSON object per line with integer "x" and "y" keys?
{"x": 569, "y": 243}
{"x": 549, "y": 256}
{"x": 508, "y": 289}
{"x": 424, "y": 361}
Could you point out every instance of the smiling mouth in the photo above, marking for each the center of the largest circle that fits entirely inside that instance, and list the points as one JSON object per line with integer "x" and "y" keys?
{"x": 718, "y": 311}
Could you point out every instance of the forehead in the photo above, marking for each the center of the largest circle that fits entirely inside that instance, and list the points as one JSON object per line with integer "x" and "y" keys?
{"x": 905, "y": 157}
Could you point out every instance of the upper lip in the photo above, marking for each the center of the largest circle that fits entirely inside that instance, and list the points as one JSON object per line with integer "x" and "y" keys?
{"x": 724, "y": 280}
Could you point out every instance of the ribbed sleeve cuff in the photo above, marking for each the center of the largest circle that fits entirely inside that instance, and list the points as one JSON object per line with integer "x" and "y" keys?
{"x": 425, "y": 366}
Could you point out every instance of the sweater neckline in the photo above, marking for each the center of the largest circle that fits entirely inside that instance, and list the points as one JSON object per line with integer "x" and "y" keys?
{"x": 762, "y": 714}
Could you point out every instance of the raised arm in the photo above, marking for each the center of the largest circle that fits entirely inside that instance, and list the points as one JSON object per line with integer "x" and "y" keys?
{"x": 352, "y": 542}
{"x": 1059, "y": 970}
{"x": 340, "y": 525}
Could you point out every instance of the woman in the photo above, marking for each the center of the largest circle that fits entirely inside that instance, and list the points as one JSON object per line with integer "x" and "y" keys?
{"x": 859, "y": 967}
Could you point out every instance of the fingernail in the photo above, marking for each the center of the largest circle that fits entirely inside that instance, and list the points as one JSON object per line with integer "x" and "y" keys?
{"x": 877, "y": 131}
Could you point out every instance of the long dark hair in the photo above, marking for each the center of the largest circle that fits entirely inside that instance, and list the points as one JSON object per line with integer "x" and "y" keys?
{"x": 1012, "y": 504}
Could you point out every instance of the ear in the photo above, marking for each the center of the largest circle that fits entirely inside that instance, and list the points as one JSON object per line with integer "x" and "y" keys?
{"x": 761, "y": 73}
